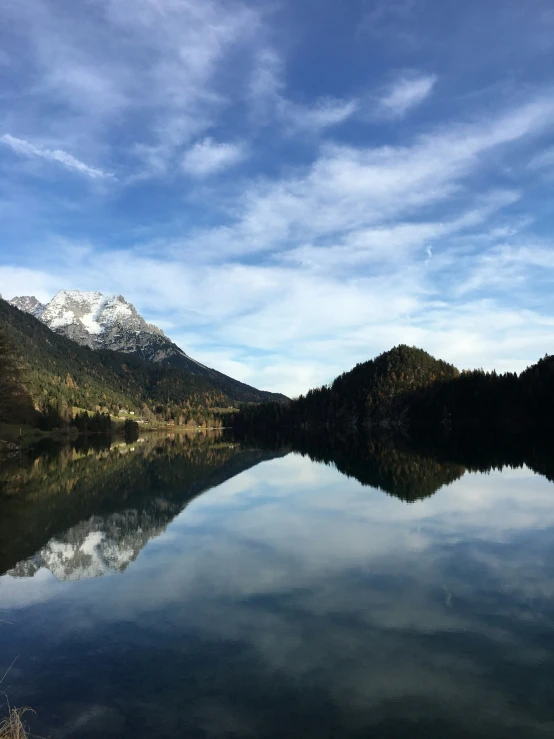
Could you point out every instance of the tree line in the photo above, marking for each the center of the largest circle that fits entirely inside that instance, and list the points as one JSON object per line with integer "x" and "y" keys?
{"x": 406, "y": 388}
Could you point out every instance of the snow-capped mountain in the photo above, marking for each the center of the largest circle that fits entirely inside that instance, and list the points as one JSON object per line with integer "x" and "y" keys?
{"x": 95, "y": 319}
{"x": 110, "y": 322}
{"x": 101, "y": 322}
{"x": 29, "y": 304}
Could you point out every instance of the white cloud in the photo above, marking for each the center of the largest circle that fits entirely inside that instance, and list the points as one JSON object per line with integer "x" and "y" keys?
{"x": 508, "y": 266}
{"x": 348, "y": 189}
{"x": 148, "y": 71}
{"x": 16, "y": 281}
{"x": 269, "y": 102}
{"x": 325, "y": 113}
{"x": 26, "y": 149}
{"x": 393, "y": 242}
{"x": 406, "y": 93}
{"x": 266, "y": 81}
{"x": 543, "y": 160}
{"x": 208, "y": 157}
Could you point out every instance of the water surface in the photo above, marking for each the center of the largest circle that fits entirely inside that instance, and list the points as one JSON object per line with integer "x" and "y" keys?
{"x": 198, "y": 587}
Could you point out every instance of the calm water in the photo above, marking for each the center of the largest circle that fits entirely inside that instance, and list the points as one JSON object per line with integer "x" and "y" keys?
{"x": 198, "y": 588}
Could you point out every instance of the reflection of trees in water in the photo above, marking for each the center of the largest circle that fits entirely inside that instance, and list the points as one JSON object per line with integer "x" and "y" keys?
{"x": 482, "y": 450}
{"x": 71, "y": 492}
{"x": 391, "y": 465}
{"x": 415, "y": 468}
{"x": 397, "y": 470}
{"x": 145, "y": 484}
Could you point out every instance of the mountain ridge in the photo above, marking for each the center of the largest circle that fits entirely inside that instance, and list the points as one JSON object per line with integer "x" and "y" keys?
{"x": 28, "y": 304}
{"x": 110, "y": 323}
{"x": 102, "y": 322}
{"x": 59, "y": 375}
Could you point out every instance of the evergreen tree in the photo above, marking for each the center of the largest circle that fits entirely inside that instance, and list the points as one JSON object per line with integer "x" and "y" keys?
{"x": 15, "y": 402}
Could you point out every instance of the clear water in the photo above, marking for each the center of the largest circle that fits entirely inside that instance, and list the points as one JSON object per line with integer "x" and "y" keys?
{"x": 196, "y": 588}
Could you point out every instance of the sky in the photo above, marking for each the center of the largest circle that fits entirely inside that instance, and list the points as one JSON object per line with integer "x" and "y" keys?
{"x": 287, "y": 188}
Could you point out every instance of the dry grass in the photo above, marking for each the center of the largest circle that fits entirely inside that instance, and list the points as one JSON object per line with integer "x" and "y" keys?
{"x": 12, "y": 727}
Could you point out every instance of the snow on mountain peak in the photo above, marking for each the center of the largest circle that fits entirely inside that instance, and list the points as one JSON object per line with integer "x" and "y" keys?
{"x": 103, "y": 322}
{"x": 87, "y": 316}
{"x": 28, "y": 304}
{"x": 72, "y": 307}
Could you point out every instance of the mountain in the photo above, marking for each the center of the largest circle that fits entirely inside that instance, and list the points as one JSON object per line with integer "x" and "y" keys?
{"x": 59, "y": 375}
{"x": 111, "y": 324}
{"x": 378, "y": 389}
{"x": 106, "y": 322}
{"x": 408, "y": 390}
{"x": 101, "y": 322}
{"x": 375, "y": 393}
{"x": 29, "y": 304}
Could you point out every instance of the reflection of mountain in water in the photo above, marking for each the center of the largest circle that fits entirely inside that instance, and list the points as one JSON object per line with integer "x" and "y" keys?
{"x": 97, "y": 546}
{"x": 83, "y": 512}
{"x": 395, "y": 468}
{"x": 397, "y": 471}
{"x": 415, "y": 468}
{"x": 88, "y": 513}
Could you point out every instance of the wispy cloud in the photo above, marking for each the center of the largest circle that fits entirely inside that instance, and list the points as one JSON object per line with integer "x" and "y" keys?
{"x": 389, "y": 18}
{"x": 159, "y": 89}
{"x": 58, "y": 156}
{"x": 508, "y": 266}
{"x": 269, "y": 101}
{"x": 349, "y": 189}
{"x": 543, "y": 160}
{"x": 325, "y": 113}
{"x": 392, "y": 243}
{"x": 406, "y": 93}
{"x": 208, "y": 157}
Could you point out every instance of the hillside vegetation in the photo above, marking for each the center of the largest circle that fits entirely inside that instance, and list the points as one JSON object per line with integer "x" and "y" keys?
{"x": 407, "y": 388}
{"x": 56, "y": 375}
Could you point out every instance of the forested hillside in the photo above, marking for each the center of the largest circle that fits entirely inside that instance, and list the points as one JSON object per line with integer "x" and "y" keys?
{"x": 406, "y": 388}
{"x": 59, "y": 374}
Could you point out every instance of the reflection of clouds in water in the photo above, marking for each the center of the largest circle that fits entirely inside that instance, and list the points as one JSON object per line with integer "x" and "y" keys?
{"x": 302, "y": 525}
{"x": 369, "y": 598}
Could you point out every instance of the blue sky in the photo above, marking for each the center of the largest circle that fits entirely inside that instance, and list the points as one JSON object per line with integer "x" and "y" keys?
{"x": 287, "y": 188}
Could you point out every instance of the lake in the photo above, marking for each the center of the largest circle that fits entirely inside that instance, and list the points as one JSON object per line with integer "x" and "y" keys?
{"x": 196, "y": 586}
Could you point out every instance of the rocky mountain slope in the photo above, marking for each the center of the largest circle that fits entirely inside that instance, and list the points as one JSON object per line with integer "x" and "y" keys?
{"x": 102, "y": 322}
{"x": 111, "y": 323}
{"x": 29, "y": 304}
